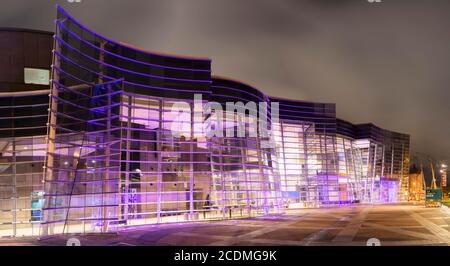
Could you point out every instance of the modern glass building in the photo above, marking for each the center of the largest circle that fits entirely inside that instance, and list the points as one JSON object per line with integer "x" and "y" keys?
{"x": 111, "y": 152}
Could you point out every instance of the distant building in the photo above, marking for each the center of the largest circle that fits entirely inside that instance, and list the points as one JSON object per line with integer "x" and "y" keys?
{"x": 111, "y": 158}
{"x": 416, "y": 185}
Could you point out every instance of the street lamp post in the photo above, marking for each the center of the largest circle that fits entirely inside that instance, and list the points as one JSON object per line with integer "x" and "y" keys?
{"x": 443, "y": 172}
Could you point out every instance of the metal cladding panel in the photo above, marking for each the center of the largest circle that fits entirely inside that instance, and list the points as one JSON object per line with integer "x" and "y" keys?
{"x": 323, "y": 115}
{"x": 21, "y": 48}
{"x": 346, "y": 128}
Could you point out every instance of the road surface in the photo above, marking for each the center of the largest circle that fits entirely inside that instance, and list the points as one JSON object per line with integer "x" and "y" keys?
{"x": 393, "y": 225}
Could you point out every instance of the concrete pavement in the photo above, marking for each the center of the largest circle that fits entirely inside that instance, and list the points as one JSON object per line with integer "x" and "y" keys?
{"x": 393, "y": 225}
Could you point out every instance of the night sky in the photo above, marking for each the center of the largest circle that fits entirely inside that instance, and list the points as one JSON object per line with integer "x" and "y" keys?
{"x": 386, "y": 63}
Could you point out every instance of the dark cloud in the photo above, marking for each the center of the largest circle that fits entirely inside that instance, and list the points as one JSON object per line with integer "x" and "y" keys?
{"x": 384, "y": 62}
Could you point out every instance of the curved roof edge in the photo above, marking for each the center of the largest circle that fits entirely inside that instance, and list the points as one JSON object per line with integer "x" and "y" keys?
{"x": 262, "y": 92}
{"x": 359, "y": 125}
{"x": 133, "y": 47}
{"x": 235, "y": 80}
{"x": 300, "y": 101}
{"x": 380, "y": 128}
{"x": 218, "y": 77}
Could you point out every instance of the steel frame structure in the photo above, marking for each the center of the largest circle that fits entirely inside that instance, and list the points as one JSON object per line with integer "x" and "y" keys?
{"x": 111, "y": 159}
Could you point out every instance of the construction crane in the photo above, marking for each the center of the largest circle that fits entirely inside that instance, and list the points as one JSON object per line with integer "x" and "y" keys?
{"x": 433, "y": 181}
{"x": 433, "y": 196}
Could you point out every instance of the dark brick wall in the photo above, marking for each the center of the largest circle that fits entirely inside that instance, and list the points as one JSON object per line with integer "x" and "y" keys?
{"x": 19, "y": 49}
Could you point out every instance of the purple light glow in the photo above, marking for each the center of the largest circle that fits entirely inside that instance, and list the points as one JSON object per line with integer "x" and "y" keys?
{"x": 191, "y": 176}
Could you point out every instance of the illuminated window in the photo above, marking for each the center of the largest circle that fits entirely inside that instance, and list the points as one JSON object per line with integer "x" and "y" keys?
{"x": 37, "y": 76}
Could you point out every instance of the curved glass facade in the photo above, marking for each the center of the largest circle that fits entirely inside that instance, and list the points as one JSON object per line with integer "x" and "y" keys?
{"x": 242, "y": 162}
{"x": 133, "y": 137}
{"x": 114, "y": 156}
